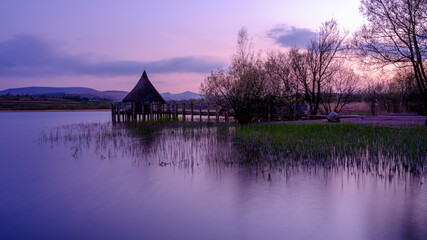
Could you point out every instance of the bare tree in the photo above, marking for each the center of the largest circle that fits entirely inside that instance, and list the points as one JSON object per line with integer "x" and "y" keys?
{"x": 396, "y": 34}
{"x": 339, "y": 90}
{"x": 298, "y": 73}
{"x": 372, "y": 95}
{"x": 280, "y": 85}
{"x": 240, "y": 90}
{"x": 322, "y": 62}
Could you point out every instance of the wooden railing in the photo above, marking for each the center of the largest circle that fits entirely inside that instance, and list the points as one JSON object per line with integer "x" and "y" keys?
{"x": 179, "y": 111}
{"x": 182, "y": 111}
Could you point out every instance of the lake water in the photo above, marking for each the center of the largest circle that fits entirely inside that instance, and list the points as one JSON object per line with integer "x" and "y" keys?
{"x": 181, "y": 184}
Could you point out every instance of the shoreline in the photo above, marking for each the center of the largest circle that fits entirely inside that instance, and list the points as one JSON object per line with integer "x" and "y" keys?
{"x": 58, "y": 110}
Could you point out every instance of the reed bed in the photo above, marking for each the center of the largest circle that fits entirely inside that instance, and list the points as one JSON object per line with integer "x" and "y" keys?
{"x": 159, "y": 143}
{"x": 261, "y": 148}
{"x": 379, "y": 148}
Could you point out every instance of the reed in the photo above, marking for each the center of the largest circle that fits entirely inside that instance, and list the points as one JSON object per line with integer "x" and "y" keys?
{"x": 391, "y": 148}
{"x": 381, "y": 149}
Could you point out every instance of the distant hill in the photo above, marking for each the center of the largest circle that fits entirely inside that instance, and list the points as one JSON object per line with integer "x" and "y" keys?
{"x": 180, "y": 96}
{"x": 89, "y": 92}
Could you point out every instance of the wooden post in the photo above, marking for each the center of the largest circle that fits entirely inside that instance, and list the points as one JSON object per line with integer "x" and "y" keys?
{"x": 308, "y": 112}
{"x": 118, "y": 111}
{"x": 142, "y": 112}
{"x": 192, "y": 112}
{"x": 113, "y": 119}
{"x": 209, "y": 114}
{"x": 176, "y": 111}
{"x": 156, "y": 111}
{"x": 133, "y": 111}
{"x": 122, "y": 106}
{"x": 269, "y": 113}
{"x": 200, "y": 111}
{"x": 159, "y": 110}
{"x": 167, "y": 110}
{"x": 183, "y": 112}
{"x": 151, "y": 111}
{"x": 217, "y": 114}
{"x": 163, "y": 110}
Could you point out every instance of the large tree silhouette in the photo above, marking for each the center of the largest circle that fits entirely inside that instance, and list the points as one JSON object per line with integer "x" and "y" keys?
{"x": 396, "y": 33}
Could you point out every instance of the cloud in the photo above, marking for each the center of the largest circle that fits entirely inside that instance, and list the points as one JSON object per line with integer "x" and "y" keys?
{"x": 291, "y": 36}
{"x": 30, "y": 56}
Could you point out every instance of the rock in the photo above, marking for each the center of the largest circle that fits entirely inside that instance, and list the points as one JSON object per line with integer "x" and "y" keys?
{"x": 333, "y": 117}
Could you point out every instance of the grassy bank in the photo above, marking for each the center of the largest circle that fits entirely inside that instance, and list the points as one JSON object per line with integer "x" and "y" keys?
{"x": 19, "y": 103}
{"x": 370, "y": 147}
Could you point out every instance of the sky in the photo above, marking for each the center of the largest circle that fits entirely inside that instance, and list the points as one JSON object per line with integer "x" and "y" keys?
{"x": 107, "y": 44}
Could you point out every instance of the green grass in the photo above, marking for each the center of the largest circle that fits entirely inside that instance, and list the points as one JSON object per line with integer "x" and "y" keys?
{"x": 372, "y": 147}
{"x": 384, "y": 150}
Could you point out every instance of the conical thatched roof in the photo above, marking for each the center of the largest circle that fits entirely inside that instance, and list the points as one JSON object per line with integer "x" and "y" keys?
{"x": 144, "y": 92}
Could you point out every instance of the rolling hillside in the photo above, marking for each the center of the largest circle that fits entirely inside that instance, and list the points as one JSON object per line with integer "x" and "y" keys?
{"x": 90, "y": 93}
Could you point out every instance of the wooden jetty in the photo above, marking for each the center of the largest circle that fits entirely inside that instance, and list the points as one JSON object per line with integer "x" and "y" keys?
{"x": 154, "y": 111}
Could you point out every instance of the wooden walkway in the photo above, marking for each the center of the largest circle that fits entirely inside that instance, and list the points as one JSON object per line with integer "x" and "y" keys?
{"x": 180, "y": 111}
{"x": 121, "y": 112}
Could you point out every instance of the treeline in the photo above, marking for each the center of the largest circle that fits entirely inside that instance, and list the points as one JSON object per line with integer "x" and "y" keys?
{"x": 323, "y": 76}
{"x": 400, "y": 94}
{"x": 43, "y": 102}
{"x": 253, "y": 86}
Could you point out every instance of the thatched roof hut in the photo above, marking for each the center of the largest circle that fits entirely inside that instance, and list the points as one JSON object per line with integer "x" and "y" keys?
{"x": 144, "y": 92}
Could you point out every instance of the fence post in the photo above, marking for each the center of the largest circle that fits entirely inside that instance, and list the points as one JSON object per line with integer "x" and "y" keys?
{"x": 142, "y": 112}
{"x": 113, "y": 119}
{"x": 151, "y": 111}
{"x": 133, "y": 111}
{"x": 192, "y": 112}
{"x": 200, "y": 111}
{"x": 209, "y": 115}
{"x": 183, "y": 112}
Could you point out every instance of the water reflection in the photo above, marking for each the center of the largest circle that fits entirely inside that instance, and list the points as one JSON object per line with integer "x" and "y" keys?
{"x": 208, "y": 147}
{"x": 114, "y": 187}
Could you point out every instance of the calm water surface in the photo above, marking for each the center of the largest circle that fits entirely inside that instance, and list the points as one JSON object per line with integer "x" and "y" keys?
{"x": 114, "y": 188}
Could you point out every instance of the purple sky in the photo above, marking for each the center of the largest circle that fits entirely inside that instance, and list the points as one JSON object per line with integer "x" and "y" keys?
{"x": 107, "y": 44}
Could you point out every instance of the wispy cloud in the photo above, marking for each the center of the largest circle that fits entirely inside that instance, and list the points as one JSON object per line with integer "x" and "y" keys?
{"x": 288, "y": 36}
{"x": 28, "y": 55}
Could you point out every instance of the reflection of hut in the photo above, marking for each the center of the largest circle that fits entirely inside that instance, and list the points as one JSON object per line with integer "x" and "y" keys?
{"x": 143, "y": 100}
